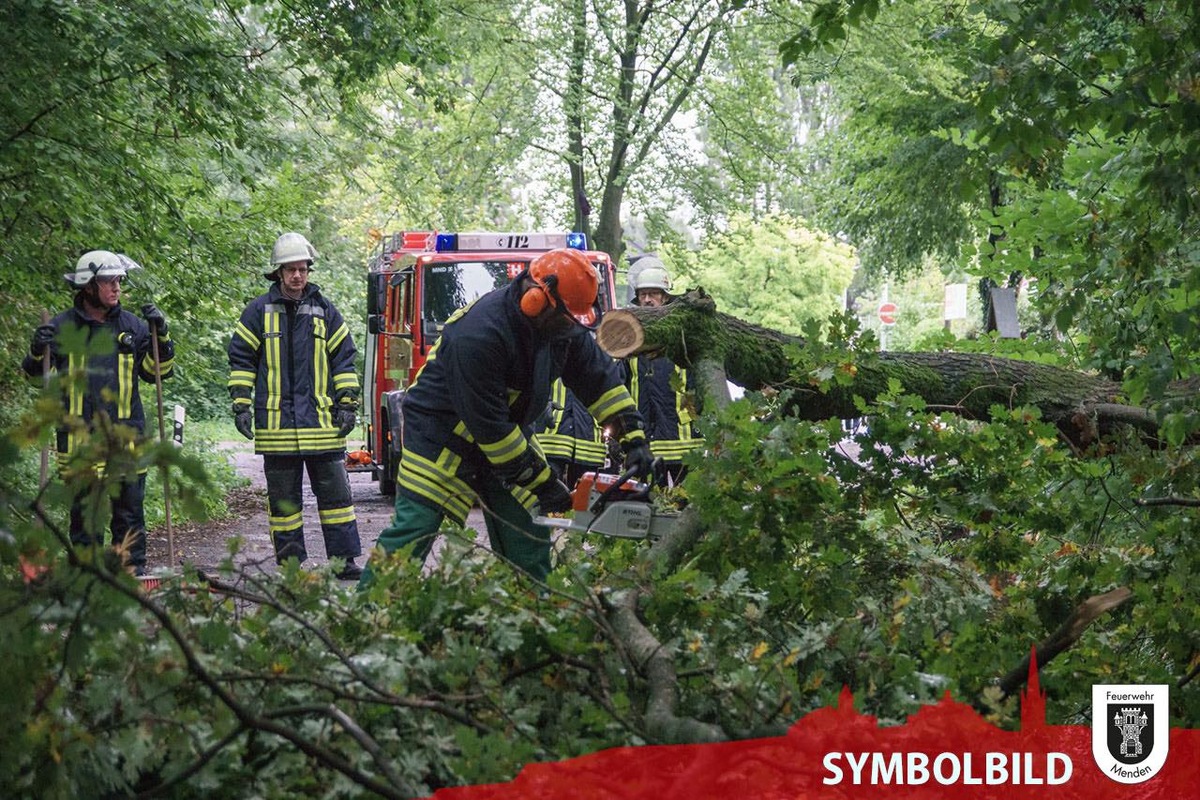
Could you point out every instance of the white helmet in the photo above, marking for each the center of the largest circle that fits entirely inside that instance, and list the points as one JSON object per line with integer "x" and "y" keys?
{"x": 99, "y": 264}
{"x": 653, "y": 278}
{"x": 648, "y": 272}
{"x": 289, "y": 248}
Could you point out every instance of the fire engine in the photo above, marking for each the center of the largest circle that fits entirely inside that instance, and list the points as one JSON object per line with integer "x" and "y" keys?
{"x": 415, "y": 281}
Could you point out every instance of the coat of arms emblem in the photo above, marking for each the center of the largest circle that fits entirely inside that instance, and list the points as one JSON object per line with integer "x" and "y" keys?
{"x": 1129, "y": 730}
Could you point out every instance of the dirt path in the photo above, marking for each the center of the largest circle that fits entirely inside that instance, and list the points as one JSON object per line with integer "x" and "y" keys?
{"x": 207, "y": 544}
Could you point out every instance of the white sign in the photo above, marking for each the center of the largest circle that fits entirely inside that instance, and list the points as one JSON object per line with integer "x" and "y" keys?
{"x": 956, "y": 301}
{"x": 511, "y": 241}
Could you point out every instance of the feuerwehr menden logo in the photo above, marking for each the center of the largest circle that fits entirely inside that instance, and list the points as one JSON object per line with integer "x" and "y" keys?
{"x": 1130, "y": 730}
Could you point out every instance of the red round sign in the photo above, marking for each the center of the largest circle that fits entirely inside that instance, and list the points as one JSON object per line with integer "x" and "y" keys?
{"x": 887, "y": 313}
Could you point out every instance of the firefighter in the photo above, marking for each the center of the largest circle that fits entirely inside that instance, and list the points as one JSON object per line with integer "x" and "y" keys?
{"x": 295, "y": 393}
{"x": 468, "y": 416}
{"x": 569, "y": 436}
{"x": 665, "y": 393}
{"x": 117, "y": 353}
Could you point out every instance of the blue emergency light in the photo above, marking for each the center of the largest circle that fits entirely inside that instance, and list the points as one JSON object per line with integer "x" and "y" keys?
{"x": 466, "y": 242}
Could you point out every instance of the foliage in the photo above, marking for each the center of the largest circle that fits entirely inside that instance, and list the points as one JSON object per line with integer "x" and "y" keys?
{"x": 774, "y": 271}
{"x": 923, "y": 555}
{"x": 1066, "y": 134}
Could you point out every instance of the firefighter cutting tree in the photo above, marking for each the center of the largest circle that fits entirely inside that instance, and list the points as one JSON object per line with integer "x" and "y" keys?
{"x": 415, "y": 281}
{"x": 468, "y": 415}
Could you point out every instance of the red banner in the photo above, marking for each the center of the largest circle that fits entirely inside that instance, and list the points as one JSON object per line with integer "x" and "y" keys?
{"x": 944, "y": 751}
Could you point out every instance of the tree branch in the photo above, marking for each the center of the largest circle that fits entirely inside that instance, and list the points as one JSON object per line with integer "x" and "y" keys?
{"x": 655, "y": 662}
{"x": 1068, "y": 633}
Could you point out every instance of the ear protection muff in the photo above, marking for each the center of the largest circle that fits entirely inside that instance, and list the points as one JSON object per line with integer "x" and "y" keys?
{"x": 538, "y": 298}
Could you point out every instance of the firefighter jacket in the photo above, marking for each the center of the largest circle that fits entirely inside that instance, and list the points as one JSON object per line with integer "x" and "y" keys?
{"x": 568, "y": 431}
{"x": 112, "y": 355}
{"x": 294, "y": 360}
{"x": 664, "y": 394}
{"x": 471, "y": 409}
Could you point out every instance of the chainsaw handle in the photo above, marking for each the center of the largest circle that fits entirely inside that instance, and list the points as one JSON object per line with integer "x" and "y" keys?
{"x": 606, "y": 495}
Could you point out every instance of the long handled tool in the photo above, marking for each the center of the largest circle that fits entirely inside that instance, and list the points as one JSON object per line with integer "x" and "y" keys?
{"x": 162, "y": 437}
{"x": 44, "y": 474}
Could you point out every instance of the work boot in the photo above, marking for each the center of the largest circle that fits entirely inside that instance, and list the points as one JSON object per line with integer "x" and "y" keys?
{"x": 350, "y": 572}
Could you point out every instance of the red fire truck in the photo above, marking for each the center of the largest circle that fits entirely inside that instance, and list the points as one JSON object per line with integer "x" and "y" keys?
{"x": 415, "y": 281}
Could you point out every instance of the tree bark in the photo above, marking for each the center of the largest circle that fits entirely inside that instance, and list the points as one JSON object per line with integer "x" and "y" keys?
{"x": 690, "y": 330}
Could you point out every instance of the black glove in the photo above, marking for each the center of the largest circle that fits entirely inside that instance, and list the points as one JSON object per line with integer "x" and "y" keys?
{"x": 345, "y": 420}
{"x": 553, "y": 497}
{"x": 638, "y": 458}
{"x": 43, "y": 337}
{"x": 243, "y": 420}
{"x": 155, "y": 318}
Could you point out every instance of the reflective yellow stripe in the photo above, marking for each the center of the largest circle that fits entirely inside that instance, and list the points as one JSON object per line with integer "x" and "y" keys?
{"x": 563, "y": 446}
{"x": 320, "y": 360}
{"x": 76, "y": 364}
{"x": 612, "y": 402}
{"x": 511, "y": 446}
{"x": 346, "y": 380}
{"x": 430, "y": 480}
{"x": 337, "y": 338}
{"x": 674, "y": 449}
{"x": 247, "y": 336}
{"x": 271, "y": 325}
{"x": 124, "y": 385}
{"x": 293, "y": 440}
{"x": 290, "y": 522}
{"x": 241, "y": 377}
{"x": 525, "y": 497}
{"x": 337, "y": 516}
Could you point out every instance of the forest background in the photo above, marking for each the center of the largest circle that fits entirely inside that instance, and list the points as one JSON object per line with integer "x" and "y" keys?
{"x": 791, "y": 159}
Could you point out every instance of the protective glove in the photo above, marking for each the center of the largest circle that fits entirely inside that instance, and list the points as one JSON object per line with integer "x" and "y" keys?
{"x": 553, "y": 497}
{"x": 345, "y": 421}
{"x": 43, "y": 337}
{"x": 155, "y": 318}
{"x": 638, "y": 458}
{"x": 243, "y": 420}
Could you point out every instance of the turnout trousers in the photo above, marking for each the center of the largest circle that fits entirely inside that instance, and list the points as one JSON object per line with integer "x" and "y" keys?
{"x": 128, "y": 523}
{"x": 512, "y": 532}
{"x": 285, "y": 505}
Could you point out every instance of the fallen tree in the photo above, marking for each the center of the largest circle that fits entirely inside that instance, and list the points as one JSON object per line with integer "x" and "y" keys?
{"x": 691, "y": 332}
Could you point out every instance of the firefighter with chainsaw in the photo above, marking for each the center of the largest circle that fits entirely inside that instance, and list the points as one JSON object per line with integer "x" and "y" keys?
{"x": 295, "y": 393}
{"x": 111, "y": 351}
{"x": 665, "y": 393}
{"x": 468, "y": 416}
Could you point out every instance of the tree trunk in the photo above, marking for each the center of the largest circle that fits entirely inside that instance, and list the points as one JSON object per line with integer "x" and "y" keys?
{"x": 690, "y": 329}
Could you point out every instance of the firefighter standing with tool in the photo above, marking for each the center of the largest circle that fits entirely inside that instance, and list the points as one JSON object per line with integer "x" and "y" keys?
{"x": 116, "y": 354}
{"x": 295, "y": 393}
{"x": 665, "y": 393}
{"x": 468, "y": 415}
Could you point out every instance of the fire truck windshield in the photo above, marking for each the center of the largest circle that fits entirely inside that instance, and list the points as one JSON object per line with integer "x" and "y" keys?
{"x": 449, "y": 287}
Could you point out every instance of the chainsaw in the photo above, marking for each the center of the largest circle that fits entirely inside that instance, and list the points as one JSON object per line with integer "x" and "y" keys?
{"x": 613, "y": 505}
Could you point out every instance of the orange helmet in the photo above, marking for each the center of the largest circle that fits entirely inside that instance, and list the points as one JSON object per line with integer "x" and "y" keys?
{"x": 563, "y": 275}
